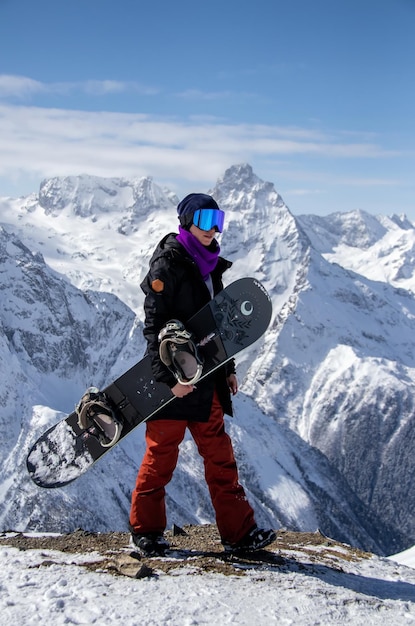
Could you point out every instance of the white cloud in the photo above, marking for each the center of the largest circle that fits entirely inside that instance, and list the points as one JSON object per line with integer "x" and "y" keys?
{"x": 304, "y": 192}
{"x": 18, "y": 86}
{"x": 24, "y": 88}
{"x": 46, "y": 142}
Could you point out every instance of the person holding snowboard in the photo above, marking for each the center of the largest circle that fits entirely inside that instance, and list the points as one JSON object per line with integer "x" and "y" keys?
{"x": 185, "y": 273}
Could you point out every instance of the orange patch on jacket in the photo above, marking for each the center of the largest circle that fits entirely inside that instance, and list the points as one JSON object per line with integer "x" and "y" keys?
{"x": 157, "y": 285}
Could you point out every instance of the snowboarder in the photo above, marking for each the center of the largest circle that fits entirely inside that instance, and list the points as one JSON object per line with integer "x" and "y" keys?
{"x": 185, "y": 272}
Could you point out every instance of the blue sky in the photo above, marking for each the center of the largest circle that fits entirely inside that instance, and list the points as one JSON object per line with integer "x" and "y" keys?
{"x": 317, "y": 95}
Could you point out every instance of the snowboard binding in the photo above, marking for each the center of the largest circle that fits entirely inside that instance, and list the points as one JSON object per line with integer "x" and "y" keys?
{"x": 179, "y": 353}
{"x": 96, "y": 417}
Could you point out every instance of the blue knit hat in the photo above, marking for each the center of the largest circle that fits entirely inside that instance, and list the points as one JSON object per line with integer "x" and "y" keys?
{"x": 190, "y": 204}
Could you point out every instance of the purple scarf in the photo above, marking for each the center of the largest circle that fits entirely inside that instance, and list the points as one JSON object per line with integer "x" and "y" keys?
{"x": 206, "y": 258}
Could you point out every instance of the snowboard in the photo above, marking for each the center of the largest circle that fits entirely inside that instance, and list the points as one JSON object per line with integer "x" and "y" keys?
{"x": 233, "y": 320}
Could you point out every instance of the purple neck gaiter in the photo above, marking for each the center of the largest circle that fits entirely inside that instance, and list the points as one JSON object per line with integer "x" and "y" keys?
{"x": 206, "y": 258}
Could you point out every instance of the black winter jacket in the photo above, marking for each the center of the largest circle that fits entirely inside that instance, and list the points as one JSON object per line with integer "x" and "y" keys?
{"x": 174, "y": 289}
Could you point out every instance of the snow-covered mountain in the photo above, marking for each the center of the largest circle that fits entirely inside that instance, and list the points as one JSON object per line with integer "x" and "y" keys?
{"x": 324, "y": 427}
{"x": 379, "y": 247}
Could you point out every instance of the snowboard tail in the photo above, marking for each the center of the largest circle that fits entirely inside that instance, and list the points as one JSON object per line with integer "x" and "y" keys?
{"x": 236, "y": 318}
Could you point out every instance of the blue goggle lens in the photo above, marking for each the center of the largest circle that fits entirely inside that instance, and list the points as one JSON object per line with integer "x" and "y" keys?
{"x": 205, "y": 219}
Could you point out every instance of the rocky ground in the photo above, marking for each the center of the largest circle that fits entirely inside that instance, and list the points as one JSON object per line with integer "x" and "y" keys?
{"x": 196, "y": 548}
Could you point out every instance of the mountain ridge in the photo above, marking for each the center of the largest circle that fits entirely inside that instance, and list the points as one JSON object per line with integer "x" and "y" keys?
{"x": 339, "y": 347}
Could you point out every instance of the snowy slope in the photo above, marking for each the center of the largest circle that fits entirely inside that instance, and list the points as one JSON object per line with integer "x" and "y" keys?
{"x": 324, "y": 417}
{"x": 407, "y": 557}
{"x": 50, "y": 587}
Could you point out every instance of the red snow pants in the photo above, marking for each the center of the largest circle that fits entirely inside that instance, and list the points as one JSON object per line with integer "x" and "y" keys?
{"x": 234, "y": 515}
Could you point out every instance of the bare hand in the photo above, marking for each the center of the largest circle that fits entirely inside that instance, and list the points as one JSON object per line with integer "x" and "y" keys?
{"x": 232, "y": 384}
{"x": 180, "y": 390}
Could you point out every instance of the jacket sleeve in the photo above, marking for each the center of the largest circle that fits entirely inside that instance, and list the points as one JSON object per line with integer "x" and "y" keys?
{"x": 159, "y": 290}
{"x": 230, "y": 367}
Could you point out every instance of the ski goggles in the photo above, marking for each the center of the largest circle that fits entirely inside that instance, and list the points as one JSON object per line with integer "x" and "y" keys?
{"x": 206, "y": 219}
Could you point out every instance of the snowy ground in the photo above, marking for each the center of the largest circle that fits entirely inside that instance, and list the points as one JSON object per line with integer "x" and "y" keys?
{"x": 50, "y": 587}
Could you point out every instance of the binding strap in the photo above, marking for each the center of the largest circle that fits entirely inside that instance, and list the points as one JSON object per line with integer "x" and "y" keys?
{"x": 179, "y": 353}
{"x": 96, "y": 416}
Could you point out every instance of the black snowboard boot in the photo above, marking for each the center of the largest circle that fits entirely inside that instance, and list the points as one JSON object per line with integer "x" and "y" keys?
{"x": 256, "y": 539}
{"x": 150, "y": 544}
